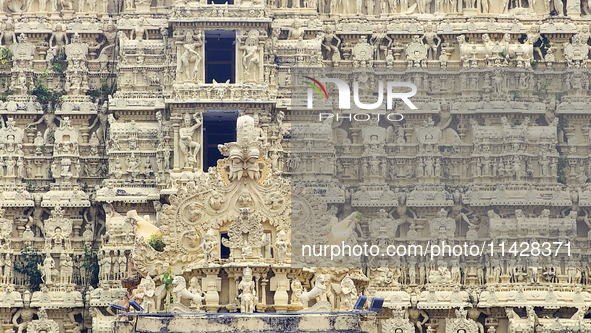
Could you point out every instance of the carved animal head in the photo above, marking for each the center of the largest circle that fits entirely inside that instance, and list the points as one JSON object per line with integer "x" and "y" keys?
{"x": 320, "y": 281}
{"x": 179, "y": 284}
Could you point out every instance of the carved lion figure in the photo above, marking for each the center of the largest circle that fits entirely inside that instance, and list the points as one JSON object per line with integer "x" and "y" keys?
{"x": 180, "y": 292}
{"x": 317, "y": 292}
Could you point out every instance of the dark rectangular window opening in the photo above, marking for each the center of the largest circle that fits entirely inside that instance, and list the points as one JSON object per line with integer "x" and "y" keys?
{"x": 219, "y": 127}
{"x": 220, "y": 56}
{"x": 220, "y": 2}
{"x": 224, "y": 250}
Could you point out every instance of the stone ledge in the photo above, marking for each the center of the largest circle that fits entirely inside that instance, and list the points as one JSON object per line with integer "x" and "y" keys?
{"x": 191, "y": 323}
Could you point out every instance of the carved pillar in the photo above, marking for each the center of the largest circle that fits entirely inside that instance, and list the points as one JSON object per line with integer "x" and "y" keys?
{"x": 176, "y": 162}
{"x": 212, "y": 298}
{"x": 234, "y": 274}
{"x": 280, "y": 285}
{"x": 261, "y": 275}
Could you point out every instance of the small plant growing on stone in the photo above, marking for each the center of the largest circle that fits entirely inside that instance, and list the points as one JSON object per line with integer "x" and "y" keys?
{"x": 91, "y": 265}
{"x": 28, "y": 266}
{"x": 156, "y": 242}
{"x": 167, "y": 282}
{"x": 5, "y": 56}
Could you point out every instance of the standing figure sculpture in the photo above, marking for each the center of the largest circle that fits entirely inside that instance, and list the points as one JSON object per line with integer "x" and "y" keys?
{"x": 332, "y": 50}
{"x": 433, "y": 41}
{"x": 48, "y": 119}
{"x": 377, "y": 40}
{"x": 190, "y": 55}
{"x": 250, "y": 53}
{"x": 248, "y": 295}
{"x": 101, "y": 119}
{"x": 47, "y": 268}
{"x": 188, "y": 147}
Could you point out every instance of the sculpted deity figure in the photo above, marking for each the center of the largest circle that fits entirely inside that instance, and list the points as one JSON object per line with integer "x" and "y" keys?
{"x": 414, "y": 314}
{"x": 296, "y": 31}
{"x": 7, "y": 275}
{"x": 281, "y": 246}
{"x": 101, "y": 119}
{"x": 7, "y": 36}
{"x": 332, "y": 50}
{"x": 48, "y": 118}
{"x": 348, "y": 294}
{"x": 297, "y": 290}
{"x": 133, "y": 163}
{"x": 208, "y": 246}
{"x": 66, "y": 268}
{"x": 110, "y": 33}
{"x": 46, "y": 268}
{"x": 191, "y": 54}
{"x": 149, "y": 300}
{"x": 377, "y": 40}
{"x": 139, "y": 31}
{"x": 248, "y": 295}
{"x": 433, "y": 41}
{"x": 188, "y": 147}
{"x": 25, "y": 314}
{"x": 250, "y": 54}
{"x": 195, "y": 289}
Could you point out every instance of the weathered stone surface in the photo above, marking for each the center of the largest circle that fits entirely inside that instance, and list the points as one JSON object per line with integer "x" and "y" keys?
{"x": 248, "y": 323}
{"x": 104, "y": 142}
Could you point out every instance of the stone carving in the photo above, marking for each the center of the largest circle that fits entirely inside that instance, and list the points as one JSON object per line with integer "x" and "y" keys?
{"x": 189, "y": 59}
{"x": 461, "y": 323}
{"x": 180, "y": 292}
{"x": 245, "y": 235}
{"x": 318, "y": 292}
{"x": 362, "y": 53}
{"x": 187, "y": 145}
{"x": 250, "y": 56}
{"x": 245, "y": 153}
{"x": 57, "y": 231}
{"x": 281, "y": 247}
{"x": 348, "y": 294}
{"x": 43, "y": 324}
{"x": 499, "y": 142}
{"x": 47, "y": 269}
{"x": 576, "y": 53}
{"x": 248, "y": 292}
{"x": 399, "y": 323}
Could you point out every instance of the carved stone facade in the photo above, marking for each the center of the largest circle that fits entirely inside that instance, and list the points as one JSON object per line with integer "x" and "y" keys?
{"x": 106, "y": 116}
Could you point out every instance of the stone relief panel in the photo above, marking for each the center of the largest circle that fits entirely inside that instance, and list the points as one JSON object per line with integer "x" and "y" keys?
{"x": 103, "y": 139}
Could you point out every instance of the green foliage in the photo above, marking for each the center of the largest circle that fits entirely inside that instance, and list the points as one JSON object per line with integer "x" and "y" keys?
{"x": 46, "y": 96}
{"x": 5, "y": 95}
{"x": 544, "y": 87}
{"x": 167, "y": 279}
{"x": 59, "y": 64}
{"x": 561, "y": 170}
{"x": 104, "y": 91}
{"x": 91, "y": 265}
{"x": 167, "y": 282}
{"x": 534, "y": 64}
{"x": 5, "y": 56}
{"x": 359, "y": 217}
{"x": 562, "y": 123}
{"x": 156, "y": 242}
{"x": 28, "y": 266}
